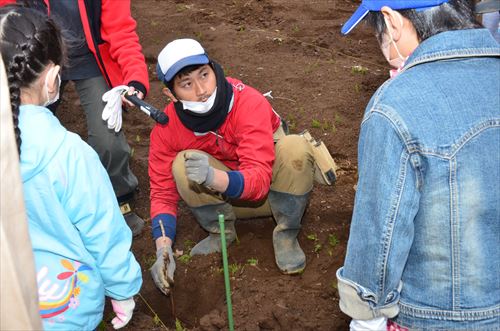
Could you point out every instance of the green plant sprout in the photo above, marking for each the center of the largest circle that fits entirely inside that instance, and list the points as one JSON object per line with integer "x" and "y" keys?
{"x": 312, "y": 237}
{"x": 156, "y": 321}
{"x": 332, "y": 240}
{"x": 317, "y": 248}
{"x": 138, "y": 138}
{"x": 178, "y": 325}
{"x": 252, "y": 262}
{"x": 148, "y": 261}
{"x": 315, "y": 124}
{"x": 359, "y": 70}
{"x": 185, "y": 258}
{"x": 188, "y": 245}
{"x": 234, "y": 268}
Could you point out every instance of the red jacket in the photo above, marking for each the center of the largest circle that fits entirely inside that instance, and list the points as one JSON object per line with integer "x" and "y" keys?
{"x": 244, "y": 143}
{"x": 113, "y": 41}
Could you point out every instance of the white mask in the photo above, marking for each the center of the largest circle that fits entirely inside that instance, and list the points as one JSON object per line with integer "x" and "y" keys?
{"x": 200, "y": 107}
{"x": 51, "y": 101}
{"x": 386, "y": 47}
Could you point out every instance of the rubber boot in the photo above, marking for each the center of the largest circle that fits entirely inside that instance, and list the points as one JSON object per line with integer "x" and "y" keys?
{"x": 288, "y": 210}
{"x": 208, "y": 218}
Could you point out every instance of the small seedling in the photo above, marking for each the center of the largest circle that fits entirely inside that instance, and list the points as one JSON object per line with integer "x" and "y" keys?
{"x": 338, "y": 119}
{"x": 180, "y": 8}
{"x": 316, "y": 124}
{"x": 278, "y": 40}
{"x": 357, "y": 88}
{"x": 241, "y": 28}
{"x": 359, "y": 70}
{"x": 234, "y": 268}
{"x": 312, "y": 237}
{"x": 332, "y": 240}
{"x": 295, "y": 28}
{"x": 188, "y": 245}
{"x": 138, "y": 138}
{"x": 334, "y": 285}
{"x": 252, "y": 262}
{"x": 199, "y": 35}
{"x": 148, "y": 261}
{"x": 157, "y": 321}
{"x": 317, "y": 248}
{"x": 185, "y": 258}
{"x": 178, "y": 325}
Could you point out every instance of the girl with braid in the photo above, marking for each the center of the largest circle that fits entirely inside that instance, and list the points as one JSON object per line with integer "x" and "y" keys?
{"x": 80, "y": 240}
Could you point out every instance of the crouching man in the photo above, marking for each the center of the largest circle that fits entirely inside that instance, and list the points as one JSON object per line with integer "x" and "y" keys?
{"x": 224, "y": 151}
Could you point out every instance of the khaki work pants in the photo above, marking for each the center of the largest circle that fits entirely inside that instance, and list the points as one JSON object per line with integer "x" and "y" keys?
{"x": 293, "y": 173}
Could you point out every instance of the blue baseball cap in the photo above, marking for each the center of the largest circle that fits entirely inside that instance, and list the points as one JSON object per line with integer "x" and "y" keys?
{"x": 375, "y": 5}
{"x": 177, "y": 55}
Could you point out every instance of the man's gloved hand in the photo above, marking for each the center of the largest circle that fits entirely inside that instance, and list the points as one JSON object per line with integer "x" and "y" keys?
{"x": 123, "y": 310}
{"x": 112, "y": 112}
{"x": 163, "y": 270}
{"x": 198, "y": 169}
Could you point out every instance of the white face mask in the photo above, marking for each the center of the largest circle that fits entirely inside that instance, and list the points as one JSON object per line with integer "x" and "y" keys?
{"x": 51, "y": 101}
{"x": 200, "y": 107}
{"x": 386, "y": 47}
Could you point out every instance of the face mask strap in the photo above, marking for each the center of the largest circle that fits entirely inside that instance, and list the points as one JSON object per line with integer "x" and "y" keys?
{"x": 389, "y": 32}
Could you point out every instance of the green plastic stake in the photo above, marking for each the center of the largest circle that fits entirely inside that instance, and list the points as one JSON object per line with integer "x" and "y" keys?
{"x": 226, "y": 272}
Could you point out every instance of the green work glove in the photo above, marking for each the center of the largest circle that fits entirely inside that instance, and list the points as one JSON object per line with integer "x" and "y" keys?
{"x": 198, "y": 169}
{"x": 163, "y": 270}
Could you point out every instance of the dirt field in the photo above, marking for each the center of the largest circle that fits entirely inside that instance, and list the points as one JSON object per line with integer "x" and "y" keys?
{"x": 321, "y": 81}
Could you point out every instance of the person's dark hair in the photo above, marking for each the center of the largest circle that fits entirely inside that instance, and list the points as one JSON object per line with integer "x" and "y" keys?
{"x": 452, "y": 15}
{"x": 29, "y": 41}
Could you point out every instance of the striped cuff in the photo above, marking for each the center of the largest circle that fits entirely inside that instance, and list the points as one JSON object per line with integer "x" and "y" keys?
{"x": 236, "y": 184}
{"x": 169, "y": 224}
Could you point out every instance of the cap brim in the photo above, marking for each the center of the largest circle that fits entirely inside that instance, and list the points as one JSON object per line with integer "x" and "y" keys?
{"x": 357, "y": 17}
{"x": 187, "y": 61}
{"x": 487, "y": 6}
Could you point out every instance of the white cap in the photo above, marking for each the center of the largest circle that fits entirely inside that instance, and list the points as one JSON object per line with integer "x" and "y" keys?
{"x": 178, "y": 54}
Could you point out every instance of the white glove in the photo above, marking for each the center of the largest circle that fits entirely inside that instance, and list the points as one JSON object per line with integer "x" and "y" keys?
{"x": 123, "y": 310}
{"x": 376, "y": 324}
{"x": 112, "y": 112}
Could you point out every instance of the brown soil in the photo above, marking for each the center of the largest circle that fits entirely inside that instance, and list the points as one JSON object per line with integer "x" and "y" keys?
{"x": 295, "y": 49}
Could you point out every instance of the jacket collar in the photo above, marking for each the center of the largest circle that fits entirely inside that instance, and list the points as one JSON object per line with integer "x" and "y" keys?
{"x": 454, "y": 44}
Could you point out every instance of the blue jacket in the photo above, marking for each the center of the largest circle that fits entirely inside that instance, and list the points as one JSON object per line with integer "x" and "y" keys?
{"x": 80, "y": 240}
{"x": 425, "y": 233}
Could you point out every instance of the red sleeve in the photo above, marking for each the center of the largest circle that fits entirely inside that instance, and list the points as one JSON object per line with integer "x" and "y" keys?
{"x": 118, "y": 30}
{"x": 6, "y": 2}
{"x": 255, "y": 144}
{"x": 163, "y": 194}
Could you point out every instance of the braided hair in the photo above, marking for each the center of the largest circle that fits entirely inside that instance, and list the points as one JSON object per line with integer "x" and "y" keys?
{"x": 29, "y": 41}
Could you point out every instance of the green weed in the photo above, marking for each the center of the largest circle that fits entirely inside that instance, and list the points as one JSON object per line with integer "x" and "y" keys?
{"x": 315, "y": 124}
{"x": 102, "y": 326}
{"x": 178, "y": 325}
{"x": 252, "y": 262}
{"x": 332, "y": 240}
{"x": 156, "y": 321}
{"x": 359, "y": 70}
{"x": 185, "y": 258}
{"x": 312, "y": 237}
{"x": 148, "y": 261}
{"x": 317, "y": 248}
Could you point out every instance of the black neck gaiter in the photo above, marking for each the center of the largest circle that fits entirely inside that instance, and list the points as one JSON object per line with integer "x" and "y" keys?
{"x": 213, "y": 119}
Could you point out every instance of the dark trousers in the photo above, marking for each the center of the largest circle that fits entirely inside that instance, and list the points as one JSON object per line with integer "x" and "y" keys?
{"x": 112, "y": 147}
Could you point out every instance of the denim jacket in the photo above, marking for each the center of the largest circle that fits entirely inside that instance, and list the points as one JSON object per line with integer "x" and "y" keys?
{"x": 425, "y": 234}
